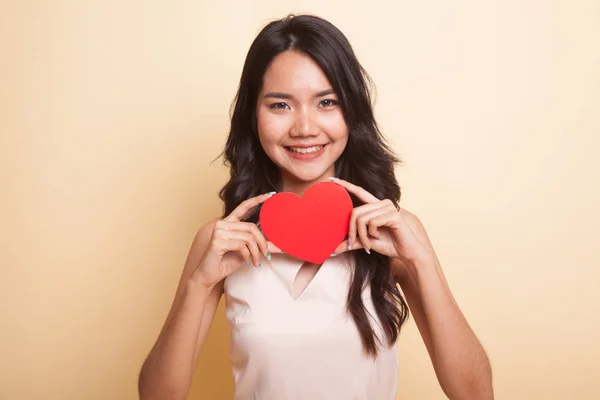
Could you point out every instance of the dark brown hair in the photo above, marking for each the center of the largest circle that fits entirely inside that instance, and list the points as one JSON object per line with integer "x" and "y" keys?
{"x": 367, "y": 160}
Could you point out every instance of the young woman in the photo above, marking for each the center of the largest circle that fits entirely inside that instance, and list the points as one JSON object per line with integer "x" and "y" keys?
{"x": 302, "y": 115}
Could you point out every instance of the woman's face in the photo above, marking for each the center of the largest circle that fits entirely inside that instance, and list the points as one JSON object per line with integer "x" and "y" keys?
{"x": 300, "y": 124}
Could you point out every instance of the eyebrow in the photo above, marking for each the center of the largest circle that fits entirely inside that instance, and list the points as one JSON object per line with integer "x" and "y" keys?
{"x": 280, "y": 95}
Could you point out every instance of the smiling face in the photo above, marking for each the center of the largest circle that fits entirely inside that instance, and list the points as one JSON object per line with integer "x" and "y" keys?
{"x": 301, "y": 126}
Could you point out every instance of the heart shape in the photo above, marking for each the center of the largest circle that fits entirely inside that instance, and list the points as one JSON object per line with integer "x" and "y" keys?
{"x": 310, "y": 227}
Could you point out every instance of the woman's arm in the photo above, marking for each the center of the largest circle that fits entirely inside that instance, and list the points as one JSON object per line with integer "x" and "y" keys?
{"x": 168, "y": 370}
{"x": 460, "y": 362}
{"x": 220, "y": 248}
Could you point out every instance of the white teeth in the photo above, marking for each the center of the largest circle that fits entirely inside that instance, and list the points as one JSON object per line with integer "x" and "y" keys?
{"x": 305, "y": 150}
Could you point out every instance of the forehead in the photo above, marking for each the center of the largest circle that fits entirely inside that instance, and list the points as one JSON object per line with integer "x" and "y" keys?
{"x": 292, "y": 71}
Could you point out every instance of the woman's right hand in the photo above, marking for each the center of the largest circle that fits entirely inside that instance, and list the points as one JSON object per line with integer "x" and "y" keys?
{"x": 232, "y": 244}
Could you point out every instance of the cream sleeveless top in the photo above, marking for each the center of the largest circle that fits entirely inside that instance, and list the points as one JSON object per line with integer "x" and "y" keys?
{"x": 306, "y": 348}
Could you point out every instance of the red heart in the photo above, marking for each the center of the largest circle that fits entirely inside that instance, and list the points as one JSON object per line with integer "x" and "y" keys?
{"x": 309, "y": 227}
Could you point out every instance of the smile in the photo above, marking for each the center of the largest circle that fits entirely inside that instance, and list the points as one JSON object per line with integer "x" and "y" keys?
{"x": 305, "y": 150}
{"x": 306, "y": 153}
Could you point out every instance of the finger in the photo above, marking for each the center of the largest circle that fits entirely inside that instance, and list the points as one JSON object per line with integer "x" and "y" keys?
{"x": 367, "y": 220}
{"x": 251, "y": 228}
{"x": 387, "y": 207}
{"x": 372, "y": 230}
{"x": 239, "y": 246}
{"x": 357, "y": 212}
{"x": 361, "y": 229}
{"x": 250, "y": 241}
{"x": 361, "y": 193}
{"x": 273, "y": 249}
{"x": 260, "y": 239}
{"x": 254, "y": 250}
{"x": 245, "y": 206}
{"x": 343, "y": 247}
{"x": 387, "y": 218}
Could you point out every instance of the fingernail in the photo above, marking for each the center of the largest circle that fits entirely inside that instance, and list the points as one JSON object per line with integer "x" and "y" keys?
{"x": 368, "y": 251}
{"x": 333, "y": 255}
{"x": 271, "y": 193}
{"x": 349, "y": 245}
{"x": 268, "y": 255}
{"x": 259, "y": 265}
{"x": 332, "y": 178}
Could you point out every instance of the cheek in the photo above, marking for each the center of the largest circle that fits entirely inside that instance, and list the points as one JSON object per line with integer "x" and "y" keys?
{"x": 337, "y": 128}
{"x": 271, "y": 128}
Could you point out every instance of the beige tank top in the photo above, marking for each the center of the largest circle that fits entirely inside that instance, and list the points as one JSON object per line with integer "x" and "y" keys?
{"x": 286, "y": 348}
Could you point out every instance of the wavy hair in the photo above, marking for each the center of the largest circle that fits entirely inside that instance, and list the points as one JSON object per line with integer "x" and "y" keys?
{"x": 366, "y": 161}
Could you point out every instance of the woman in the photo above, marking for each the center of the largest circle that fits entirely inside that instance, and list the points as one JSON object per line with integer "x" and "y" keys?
{"x": 303, "y": 115}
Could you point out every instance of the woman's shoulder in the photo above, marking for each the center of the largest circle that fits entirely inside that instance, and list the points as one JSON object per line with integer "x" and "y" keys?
{"x": 202, "y": 238}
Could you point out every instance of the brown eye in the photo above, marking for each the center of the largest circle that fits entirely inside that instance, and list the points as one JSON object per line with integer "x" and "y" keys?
{"x": 328, "y": 103}
{"x": 279, "y": 106}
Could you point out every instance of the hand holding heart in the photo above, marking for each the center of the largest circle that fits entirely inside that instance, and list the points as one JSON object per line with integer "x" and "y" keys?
{"x": 310, "y": 227}
{"x": 381, "y": 227}
{"x": 377, "y": 225}
{"x": 232, "y": 243}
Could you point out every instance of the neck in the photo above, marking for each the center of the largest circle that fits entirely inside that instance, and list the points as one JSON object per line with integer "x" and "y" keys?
{"x": 294, "y": 185}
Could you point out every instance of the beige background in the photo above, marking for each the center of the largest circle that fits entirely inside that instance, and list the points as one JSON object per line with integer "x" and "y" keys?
{"x": 111, "y": 111}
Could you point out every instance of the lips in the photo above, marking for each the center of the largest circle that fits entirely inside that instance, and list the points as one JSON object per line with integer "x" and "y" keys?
{"x": 305, "y": 153}
{"x": 305, "y": 150}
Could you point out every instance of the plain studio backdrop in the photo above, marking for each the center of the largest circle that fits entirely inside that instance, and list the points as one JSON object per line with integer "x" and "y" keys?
{"x": 111, "y": 113}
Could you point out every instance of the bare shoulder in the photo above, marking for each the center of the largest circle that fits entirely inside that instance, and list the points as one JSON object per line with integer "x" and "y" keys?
{"x": 202, "y": 238}
{"x": 399, "y": 271}
{"x": 197, "y": 250}
{"x": 195, "y": 254}
{"x": 411, "y": 218}
{"x": 417, "y": 227}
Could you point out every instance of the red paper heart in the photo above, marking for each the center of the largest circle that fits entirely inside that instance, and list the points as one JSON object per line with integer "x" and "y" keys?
{"x": 310, "y": 227}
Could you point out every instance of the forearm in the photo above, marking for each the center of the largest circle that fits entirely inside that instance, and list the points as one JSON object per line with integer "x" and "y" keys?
{"x": 462, "y": 366}
{"x": 168, "y": 370}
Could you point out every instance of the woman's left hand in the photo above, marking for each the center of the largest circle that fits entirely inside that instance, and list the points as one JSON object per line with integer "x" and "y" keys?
{"x": 382, "y": 227}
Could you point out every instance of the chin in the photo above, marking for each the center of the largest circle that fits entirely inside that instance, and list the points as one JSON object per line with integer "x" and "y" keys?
{"x": 308, "y": 177}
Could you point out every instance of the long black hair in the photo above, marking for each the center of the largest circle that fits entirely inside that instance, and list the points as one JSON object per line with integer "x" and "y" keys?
{"x": 366, "y": 161}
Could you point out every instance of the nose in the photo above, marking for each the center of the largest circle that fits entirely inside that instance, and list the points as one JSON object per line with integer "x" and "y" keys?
{"x": 304, "y": 125}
